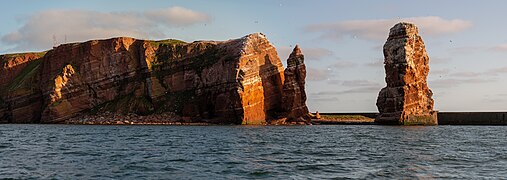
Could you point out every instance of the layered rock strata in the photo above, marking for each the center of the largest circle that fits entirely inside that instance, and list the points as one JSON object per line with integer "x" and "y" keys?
{"x": 20, "y": 97}
{"x": 406, "y": 100}
{"x": 294, "y": 95}
{"x": 238, "y": 81}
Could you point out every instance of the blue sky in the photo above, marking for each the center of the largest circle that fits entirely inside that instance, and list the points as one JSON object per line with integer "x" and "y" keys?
{"x": 342, "y": 40}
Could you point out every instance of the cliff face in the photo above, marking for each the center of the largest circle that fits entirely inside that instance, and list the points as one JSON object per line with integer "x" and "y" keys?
{"x": 237, "y": 81}
{"x": 406, "y": 100}
{"x": 20, "y": 98}
{"x": 294, "y": 95}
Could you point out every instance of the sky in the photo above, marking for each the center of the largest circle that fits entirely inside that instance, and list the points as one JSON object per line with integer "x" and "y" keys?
{"x": 342, "y": 40}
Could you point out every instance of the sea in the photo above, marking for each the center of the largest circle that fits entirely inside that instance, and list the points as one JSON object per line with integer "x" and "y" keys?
{"x": 252, "y": 152}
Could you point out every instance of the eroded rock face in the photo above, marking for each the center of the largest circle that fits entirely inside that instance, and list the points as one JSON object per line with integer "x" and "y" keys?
{"x": 20, "y": 100}
{"x": 406, "y": 100}
{"x": 238, "y": 81}
{"x": 294, "y": 95}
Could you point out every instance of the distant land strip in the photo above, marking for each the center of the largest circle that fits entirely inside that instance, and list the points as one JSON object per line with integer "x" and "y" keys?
{"x": 444, "y": 118}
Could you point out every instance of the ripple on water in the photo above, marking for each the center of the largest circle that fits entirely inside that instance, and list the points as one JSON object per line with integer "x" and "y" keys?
{"x": 263, "y": 152}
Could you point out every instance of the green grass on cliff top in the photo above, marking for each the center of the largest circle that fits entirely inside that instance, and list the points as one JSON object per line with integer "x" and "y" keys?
{"x": 15, "y": 55}
{"x": 167, "y": 42}
{"x": 5, "y": 57}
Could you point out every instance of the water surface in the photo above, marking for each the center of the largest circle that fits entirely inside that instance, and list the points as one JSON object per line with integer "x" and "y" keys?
{"x": 251, "y": 152}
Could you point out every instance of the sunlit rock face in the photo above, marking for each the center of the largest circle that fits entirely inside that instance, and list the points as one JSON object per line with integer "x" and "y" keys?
{"x": 238, "y": 81}
{"x": 406, "y": 100}
{"x": 294, "y": 95}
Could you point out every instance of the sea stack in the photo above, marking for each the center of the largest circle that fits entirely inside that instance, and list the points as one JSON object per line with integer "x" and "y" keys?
{"x": 293, "y": 94}
{"x": 406, "y": 100}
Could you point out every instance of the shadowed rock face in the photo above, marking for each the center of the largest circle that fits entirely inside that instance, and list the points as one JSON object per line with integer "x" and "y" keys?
{"x": 406, "y": 100}
{"x": 294, "y": 96}
{"x": 238, "y": 81}
{"x": 19, "y": 78}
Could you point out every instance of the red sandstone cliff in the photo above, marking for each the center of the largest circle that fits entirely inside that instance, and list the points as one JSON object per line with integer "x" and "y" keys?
{"x": 406, "y": 100}
{"x": 20, "y": 98}
{"x": 237, "y": 81}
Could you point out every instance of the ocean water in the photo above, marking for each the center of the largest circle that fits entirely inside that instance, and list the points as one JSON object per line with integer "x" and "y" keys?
{"x": 252, "y": 152}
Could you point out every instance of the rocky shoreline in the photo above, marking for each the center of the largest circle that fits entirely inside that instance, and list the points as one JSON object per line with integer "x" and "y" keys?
{"x": 109, "y": 118}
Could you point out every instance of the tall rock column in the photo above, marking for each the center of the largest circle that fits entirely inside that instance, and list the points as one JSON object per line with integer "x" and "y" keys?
{"x": 294, "y": 96}
{"x": 406, "y": 100}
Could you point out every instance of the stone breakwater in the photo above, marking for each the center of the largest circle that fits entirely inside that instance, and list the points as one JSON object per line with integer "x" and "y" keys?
{"x": 239, "y": 81}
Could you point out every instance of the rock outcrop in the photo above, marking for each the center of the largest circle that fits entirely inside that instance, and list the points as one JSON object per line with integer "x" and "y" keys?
{"x": 294, "y": 95}
{"x": 20, "y": 98}
{"x": 238, "y": 81}
{"x": 406, "y": 100}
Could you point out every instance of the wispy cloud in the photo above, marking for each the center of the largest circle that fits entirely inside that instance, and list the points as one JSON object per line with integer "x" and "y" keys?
{"x": 454, "y": 82}
{"x": 440, "y": 72}
{"x": 468, "y": 74}
{"x": 176, "y": 16}
{"x": 439, "y": 60}
{"x": 500, "y": 48}
{"x": 317, "y": 74}
{"x": 358, "y": 90}
{"x": 467, "y": 49}
{"x": 378, "y": 29}
{"x": 361, "y": 83}
{"x": 79, "y": 25}
{"x": 497, "y": 71}
{"x": 377, "y": 63}
{"x": 323, "y": 99}
{"x": 495, "y": 98}
{"x": 340, "y": 64}
{"x": 309, "y": 52}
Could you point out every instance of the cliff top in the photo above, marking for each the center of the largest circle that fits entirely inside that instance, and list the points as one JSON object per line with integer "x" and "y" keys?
{"x": 242, "y": 41}
{"x": 403, "y": 29}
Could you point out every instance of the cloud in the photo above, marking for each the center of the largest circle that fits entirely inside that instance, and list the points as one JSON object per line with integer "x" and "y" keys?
{"x": 500, "y": 48}
{"x": 324, "y": 99}
{"x": 466, "y": 50}
{"x": 357, "y": 87}
{"x": 497, "y": 71}
{"x": 378, "y": 63}
{"x": 466, "y": 74}
{"x": 177, "y": 16}
{"x": 342, "y": 64}
{"x": 378, "y": 29}
{"x": 470, "y": 74}
{"x": 310, "y": 53}
{"x": 454, "y": 82}
{"x": 440, "y": 72}
{"x": 361, "y": 83}
{"x": 358, "y": 90}
{"x": 318, "y": 74}
{"x": 439, "y": 60}
{"x": 80, "y": 25}
{"x": 495, "y": 98}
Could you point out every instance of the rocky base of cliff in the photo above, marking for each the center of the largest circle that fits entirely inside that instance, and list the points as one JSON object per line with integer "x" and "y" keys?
{"x": 108, "y": 118}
